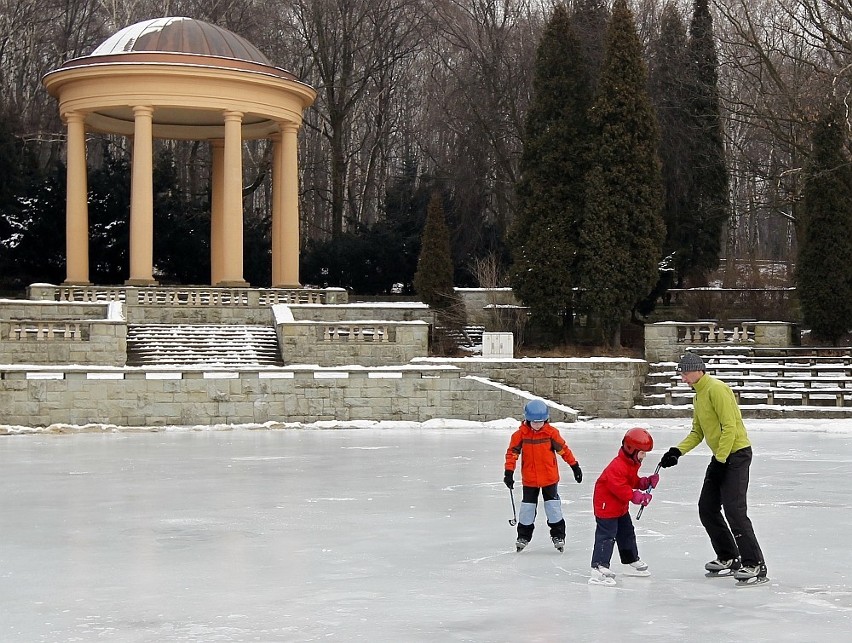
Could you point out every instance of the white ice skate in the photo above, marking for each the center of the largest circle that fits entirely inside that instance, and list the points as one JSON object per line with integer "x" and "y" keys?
{"x": 637, "y": 568}
{"x": 602, "y": 576}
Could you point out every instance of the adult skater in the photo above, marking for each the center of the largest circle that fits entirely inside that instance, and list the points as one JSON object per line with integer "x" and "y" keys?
{"x": 716, "y": 419}
{"x": 538, "y": 443}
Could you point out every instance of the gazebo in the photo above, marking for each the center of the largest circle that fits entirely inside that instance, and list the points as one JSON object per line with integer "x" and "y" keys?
{"x": 184, "y": 79}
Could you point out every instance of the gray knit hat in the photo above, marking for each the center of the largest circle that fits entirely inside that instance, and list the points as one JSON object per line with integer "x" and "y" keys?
{"x": 690, "y": 362}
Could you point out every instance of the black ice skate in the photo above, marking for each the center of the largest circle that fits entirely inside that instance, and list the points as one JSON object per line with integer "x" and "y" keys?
{"x": 750, "y": 575}
{"x": 559, "y": 543}
{"x": 722, "y": 568}
{"x": 520, "y": 543}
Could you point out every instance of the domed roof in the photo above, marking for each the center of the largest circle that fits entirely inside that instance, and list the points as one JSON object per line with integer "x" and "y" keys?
{"x": 180, "y": 35}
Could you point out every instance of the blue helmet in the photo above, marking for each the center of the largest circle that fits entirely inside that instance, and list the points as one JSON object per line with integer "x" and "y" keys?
{"x": 536, "y": 411}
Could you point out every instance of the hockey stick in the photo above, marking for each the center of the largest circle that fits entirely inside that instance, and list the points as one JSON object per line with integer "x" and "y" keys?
{"x": 650, "y": 489}
{"x": 514, "y": 519}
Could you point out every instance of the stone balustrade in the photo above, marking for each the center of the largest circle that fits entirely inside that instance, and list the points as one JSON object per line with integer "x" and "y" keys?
{"x": 188, "y": 295}
{"x": 667, "y": 341}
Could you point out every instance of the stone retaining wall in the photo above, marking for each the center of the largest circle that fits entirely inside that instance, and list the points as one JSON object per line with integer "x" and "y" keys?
{"x": 133, "y": 397}
{"x": 36, "y": 332}
{"x": 597, "y": 386}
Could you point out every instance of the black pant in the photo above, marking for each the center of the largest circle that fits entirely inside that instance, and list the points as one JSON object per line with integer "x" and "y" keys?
{"x": 526, "y": 519}
{"x": 612, "y": 531}
{"x": 726, "y": 486}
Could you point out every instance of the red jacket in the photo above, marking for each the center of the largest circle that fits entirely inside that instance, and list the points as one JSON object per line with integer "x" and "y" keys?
{"x": 538, "y": 451}
{"x": 614, "y": 487}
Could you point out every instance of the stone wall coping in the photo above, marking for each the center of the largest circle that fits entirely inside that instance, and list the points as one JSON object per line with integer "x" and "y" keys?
{"x": 501, "y": 289}
{"x": 543, "y": 360}
{"x": 49, "y": 302}
{"x": 367, "y": 304}
{"x": 352, "y": 368}
{"x": 715, "y": 321}
{"x": 356, "y": 322}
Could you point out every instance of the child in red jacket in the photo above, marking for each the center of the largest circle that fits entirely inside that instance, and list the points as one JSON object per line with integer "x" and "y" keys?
{"x": 618, "y": 485}
{"x": 538, "y": 443}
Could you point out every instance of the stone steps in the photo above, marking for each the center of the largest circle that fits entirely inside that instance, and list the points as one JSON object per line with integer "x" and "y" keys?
{"x": 228, "y": 345}
{"x": 802, "y": 385}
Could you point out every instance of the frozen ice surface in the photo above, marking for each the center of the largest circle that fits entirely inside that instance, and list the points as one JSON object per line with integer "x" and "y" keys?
{"x": 398, "y": 534}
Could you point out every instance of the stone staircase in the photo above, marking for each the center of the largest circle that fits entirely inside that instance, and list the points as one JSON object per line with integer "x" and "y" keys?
{"x": 780, "y": 382}
{"x": 229, "y": 345}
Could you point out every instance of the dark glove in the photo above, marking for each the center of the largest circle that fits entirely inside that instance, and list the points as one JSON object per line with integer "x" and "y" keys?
{"x": 641, "y": 498}
{"x": 578, "y": 472}
{"x": 509, "y": 478}
{"x": 670, "y": 457}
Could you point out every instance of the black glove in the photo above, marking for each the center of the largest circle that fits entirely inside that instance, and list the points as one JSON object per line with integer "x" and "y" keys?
{"x": 578, "y": 472}
{"x": 509, "y": 479}
{"x": 670, "y": 457}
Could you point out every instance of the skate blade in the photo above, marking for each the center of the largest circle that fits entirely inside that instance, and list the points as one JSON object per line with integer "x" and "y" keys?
{"x": 606, "y": 582}
{"x": 723, "y": 574}
{"x": 637, "y": 573}
{"x": 751, "y": 582}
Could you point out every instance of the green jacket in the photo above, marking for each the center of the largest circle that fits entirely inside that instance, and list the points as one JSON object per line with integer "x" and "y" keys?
{"x": 716, "y": 418}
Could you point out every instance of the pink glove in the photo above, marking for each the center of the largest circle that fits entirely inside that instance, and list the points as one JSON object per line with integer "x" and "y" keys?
{"x": 640, "y": 498}
{"x": 650, "y": 481}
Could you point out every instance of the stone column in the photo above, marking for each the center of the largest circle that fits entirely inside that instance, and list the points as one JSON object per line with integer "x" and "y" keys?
{"x": 142, "y": 199}
{"x": 289, "y": 188}
{"x": 277, "y": 211}
{"x": 76, "y": 203}
{"x": 217, "y": 210}
{"x": 232, "y": 201}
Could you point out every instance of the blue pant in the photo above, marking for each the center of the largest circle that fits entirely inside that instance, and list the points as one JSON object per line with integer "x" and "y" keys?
{"x": 611, "y": 531}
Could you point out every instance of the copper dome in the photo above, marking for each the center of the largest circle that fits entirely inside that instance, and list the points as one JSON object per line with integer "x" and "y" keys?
{"x": 180, "y": 35}
{"x": 178, "y": 40}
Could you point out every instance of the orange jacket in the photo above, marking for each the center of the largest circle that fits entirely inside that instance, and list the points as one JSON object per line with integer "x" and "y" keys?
{"x": 538, "y": 451}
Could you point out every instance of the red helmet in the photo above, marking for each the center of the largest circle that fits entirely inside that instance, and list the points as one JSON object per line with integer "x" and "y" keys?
{"x": 637, "y": 440}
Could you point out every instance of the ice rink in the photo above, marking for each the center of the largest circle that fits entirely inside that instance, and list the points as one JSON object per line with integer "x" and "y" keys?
{"x": 399, "y": 534}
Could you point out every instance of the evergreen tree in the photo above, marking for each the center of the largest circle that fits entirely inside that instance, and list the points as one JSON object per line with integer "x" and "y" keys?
{"x": 824, "y": 266}
{"x": 668, "y": 69}
{"x": 552, "y": 169}
{"x": 433, "y": 280}
{"x": 622, "y": 232}
{"x": 708, "y": 198}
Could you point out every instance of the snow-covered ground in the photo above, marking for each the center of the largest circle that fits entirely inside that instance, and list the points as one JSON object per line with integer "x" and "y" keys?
{"x": 398, "y": 532}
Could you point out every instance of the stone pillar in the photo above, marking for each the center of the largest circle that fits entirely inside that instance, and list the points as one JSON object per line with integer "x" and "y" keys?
{"x": 142, "y": 199}
{"x": 76, "y": 203}
{"x": 217, "y": 210}
{"x": 232, "y": 201}
{"x": 289, "y": 188}
{"x": 277, "y": 211}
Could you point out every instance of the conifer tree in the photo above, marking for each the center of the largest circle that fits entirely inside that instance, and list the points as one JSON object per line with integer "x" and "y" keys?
{"x": 433, "y": 280}
{"x": 824, "y": 266}
{"x": 708, "y": 197}
{"x": 668, "y": 70}
{"x": 622, "y": 232}
{"x": 552, "y": 169}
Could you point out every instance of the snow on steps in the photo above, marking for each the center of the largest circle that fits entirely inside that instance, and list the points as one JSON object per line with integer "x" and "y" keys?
{"x": 794, "y": 382}
{"x": 229, "y": 345}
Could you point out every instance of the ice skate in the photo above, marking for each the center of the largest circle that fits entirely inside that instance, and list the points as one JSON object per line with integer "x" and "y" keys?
{"x": 520, "y": 543}
{"x": 637, "y": 568}
{"x": 749, "y": 575}
{"x": 602, "y": 576}
{"x": 722, "y": 568}
{"x": 559, "y": 543}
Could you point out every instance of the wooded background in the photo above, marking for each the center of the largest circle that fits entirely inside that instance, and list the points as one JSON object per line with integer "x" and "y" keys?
{"x": 412, "y": 94}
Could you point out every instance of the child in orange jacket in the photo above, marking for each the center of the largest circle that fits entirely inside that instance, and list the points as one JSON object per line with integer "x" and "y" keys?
{"x": 538, "y": 443}
{"x": 618, "y": 485}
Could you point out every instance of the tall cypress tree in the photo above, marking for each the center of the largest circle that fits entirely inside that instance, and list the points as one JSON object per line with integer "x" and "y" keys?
{"x": 708, "y": 198}
{"x": 622, "y": 232}
{"x": 668, "y": 69}
{"x": 552, "y": 169}
{"x": 433, "y": 279}
{"x": 824, "y": 266}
